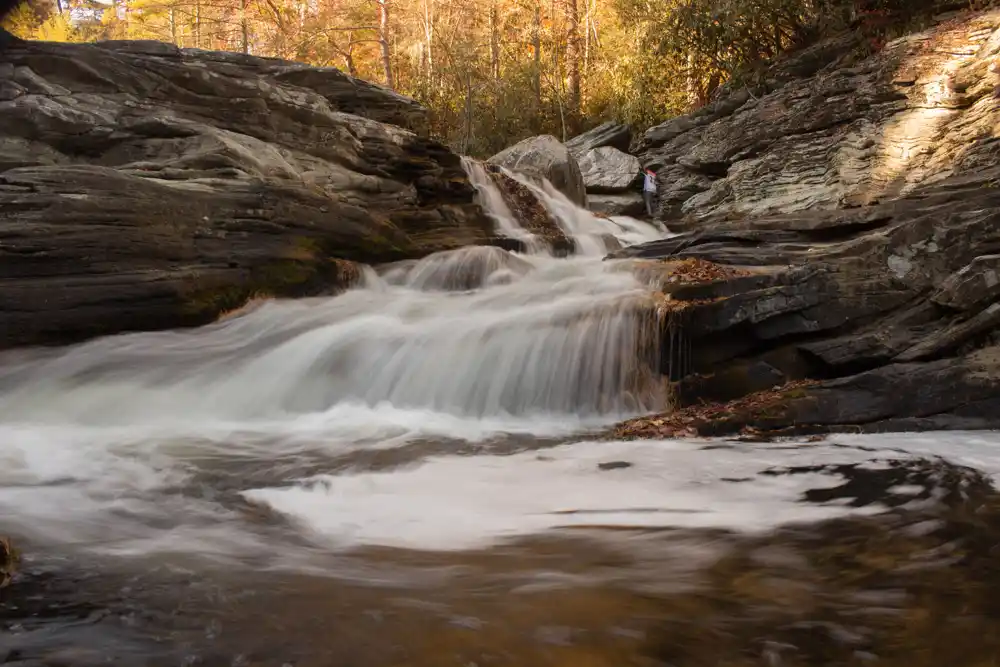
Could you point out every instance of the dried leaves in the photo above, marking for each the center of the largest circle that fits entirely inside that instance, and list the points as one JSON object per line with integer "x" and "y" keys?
{"x": 697, "y": 420}
{"x": 524, "y": 205}
{"x": 693, "y": 270}
{"x": 666, "y": 274}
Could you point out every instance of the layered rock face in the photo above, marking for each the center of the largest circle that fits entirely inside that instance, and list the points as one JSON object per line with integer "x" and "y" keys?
{"x": 863, "y": 205}
{"x": 829, "y": 130}
{"x": 143, "y": 186}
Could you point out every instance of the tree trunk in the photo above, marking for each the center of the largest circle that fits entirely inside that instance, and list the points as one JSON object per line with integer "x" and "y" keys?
{"x": 573, "y": 61}
{"x": 428, "y": 48}
{"x": 349, "y": 64}
{"x": 173, "y": 24}
{"x": 494, "y": 42}
{"x": 468, "y": 113}
{"x": 244, "y": 28}
{"x": 197, "y": 24}
{"x": 383, "y": 38}
{"x": 536, "y": 43}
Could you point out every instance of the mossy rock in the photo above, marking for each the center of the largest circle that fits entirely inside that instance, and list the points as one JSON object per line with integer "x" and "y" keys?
{"x": 305, "y": 272}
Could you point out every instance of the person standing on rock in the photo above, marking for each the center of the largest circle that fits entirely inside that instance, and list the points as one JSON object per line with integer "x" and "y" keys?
{"x": 649, "y": 191}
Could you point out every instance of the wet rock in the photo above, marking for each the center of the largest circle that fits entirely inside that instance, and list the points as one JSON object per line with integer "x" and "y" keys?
{"x": 607, "y": 170}
{"x": 614, "y": 465}
{"x": 615, "y": 135}
{"x": 630, "y": 204}
{"x": 545, "y": 157}
{"x": 145, "y": 186}
{"x": 529, "y": 211}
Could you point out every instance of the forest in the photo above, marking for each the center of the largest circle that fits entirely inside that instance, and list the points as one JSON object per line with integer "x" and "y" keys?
{"x": 492, "y": 72}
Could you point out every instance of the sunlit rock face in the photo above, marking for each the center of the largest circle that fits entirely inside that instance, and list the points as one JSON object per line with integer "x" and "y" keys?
{"x": 832, "y": 129}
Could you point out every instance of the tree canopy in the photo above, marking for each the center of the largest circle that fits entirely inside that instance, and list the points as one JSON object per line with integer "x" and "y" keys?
{"x": 490, "y": 71}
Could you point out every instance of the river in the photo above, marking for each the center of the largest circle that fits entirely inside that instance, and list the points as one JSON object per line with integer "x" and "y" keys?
{"x": 411, "y": 473}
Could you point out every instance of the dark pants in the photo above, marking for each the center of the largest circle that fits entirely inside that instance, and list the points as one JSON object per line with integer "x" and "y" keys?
{"x": 650, "y": 199}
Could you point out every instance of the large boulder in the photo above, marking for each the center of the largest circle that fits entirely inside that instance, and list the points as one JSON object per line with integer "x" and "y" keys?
{"x": 545, "y": 157}
{"x": 607, "y": 171}
{"x": 629, "y": 203}
{"x": 615, "y": 135}
{"x": 143, "y": 186}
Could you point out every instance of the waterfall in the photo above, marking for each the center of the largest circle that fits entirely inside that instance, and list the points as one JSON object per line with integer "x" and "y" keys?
{"x": 476, "y": 332}
{"x": 150, "y": 442}
{"x": 588, "y": 232}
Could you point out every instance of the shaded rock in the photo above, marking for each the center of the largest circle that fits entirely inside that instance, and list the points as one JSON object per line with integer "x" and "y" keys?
{"x": 630, "y": 204}
{"x": 884, "y": 308}
{"x": 615, "y": 135}
{"x": 946, "y": 340}
{"x": 945, "y": 394}
{"x": 545, "y": 157}
{"x": 972, "y": 285}
{"x": 674, "y": 186}
{"x": 737, "y": 380}
{"x": 608, "y": 170}
{"x": 144, "y": 186}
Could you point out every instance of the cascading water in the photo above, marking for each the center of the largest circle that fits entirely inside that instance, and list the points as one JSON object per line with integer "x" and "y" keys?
{"x": 475, "y": 332}
{"x": 435, "y": 409}
{"x": 460, "y": 344}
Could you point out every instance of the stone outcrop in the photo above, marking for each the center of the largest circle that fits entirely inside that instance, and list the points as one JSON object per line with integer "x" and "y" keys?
{"x": 830, "y": 129}
{"x": 607, "y": 170}
{"x": 143, "y": 186}
{"x": 630, "y": 204}
{"x": 611, "y": 176}
{"x": 615, "y": 135}
{"x": 546, "y": 157}
{"x": 882, "y": 296}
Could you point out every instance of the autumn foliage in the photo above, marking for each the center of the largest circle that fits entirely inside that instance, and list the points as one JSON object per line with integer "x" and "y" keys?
{"x": 494, "y": 71}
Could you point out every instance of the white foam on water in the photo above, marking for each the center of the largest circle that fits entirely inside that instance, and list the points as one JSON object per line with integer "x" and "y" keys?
{"x": 453, "y": 502}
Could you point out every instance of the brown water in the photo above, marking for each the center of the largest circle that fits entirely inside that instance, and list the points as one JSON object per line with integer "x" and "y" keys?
{"x": 910, "y": 581}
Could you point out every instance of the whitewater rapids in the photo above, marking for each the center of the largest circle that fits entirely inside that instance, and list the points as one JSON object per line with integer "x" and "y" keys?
{"x": 409, "y": 411}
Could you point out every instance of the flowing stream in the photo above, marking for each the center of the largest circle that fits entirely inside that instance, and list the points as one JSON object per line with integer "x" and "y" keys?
{"x": 405, "y": 473}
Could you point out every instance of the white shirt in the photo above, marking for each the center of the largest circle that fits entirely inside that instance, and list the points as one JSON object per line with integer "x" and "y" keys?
{"x": 649, "y": 184}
